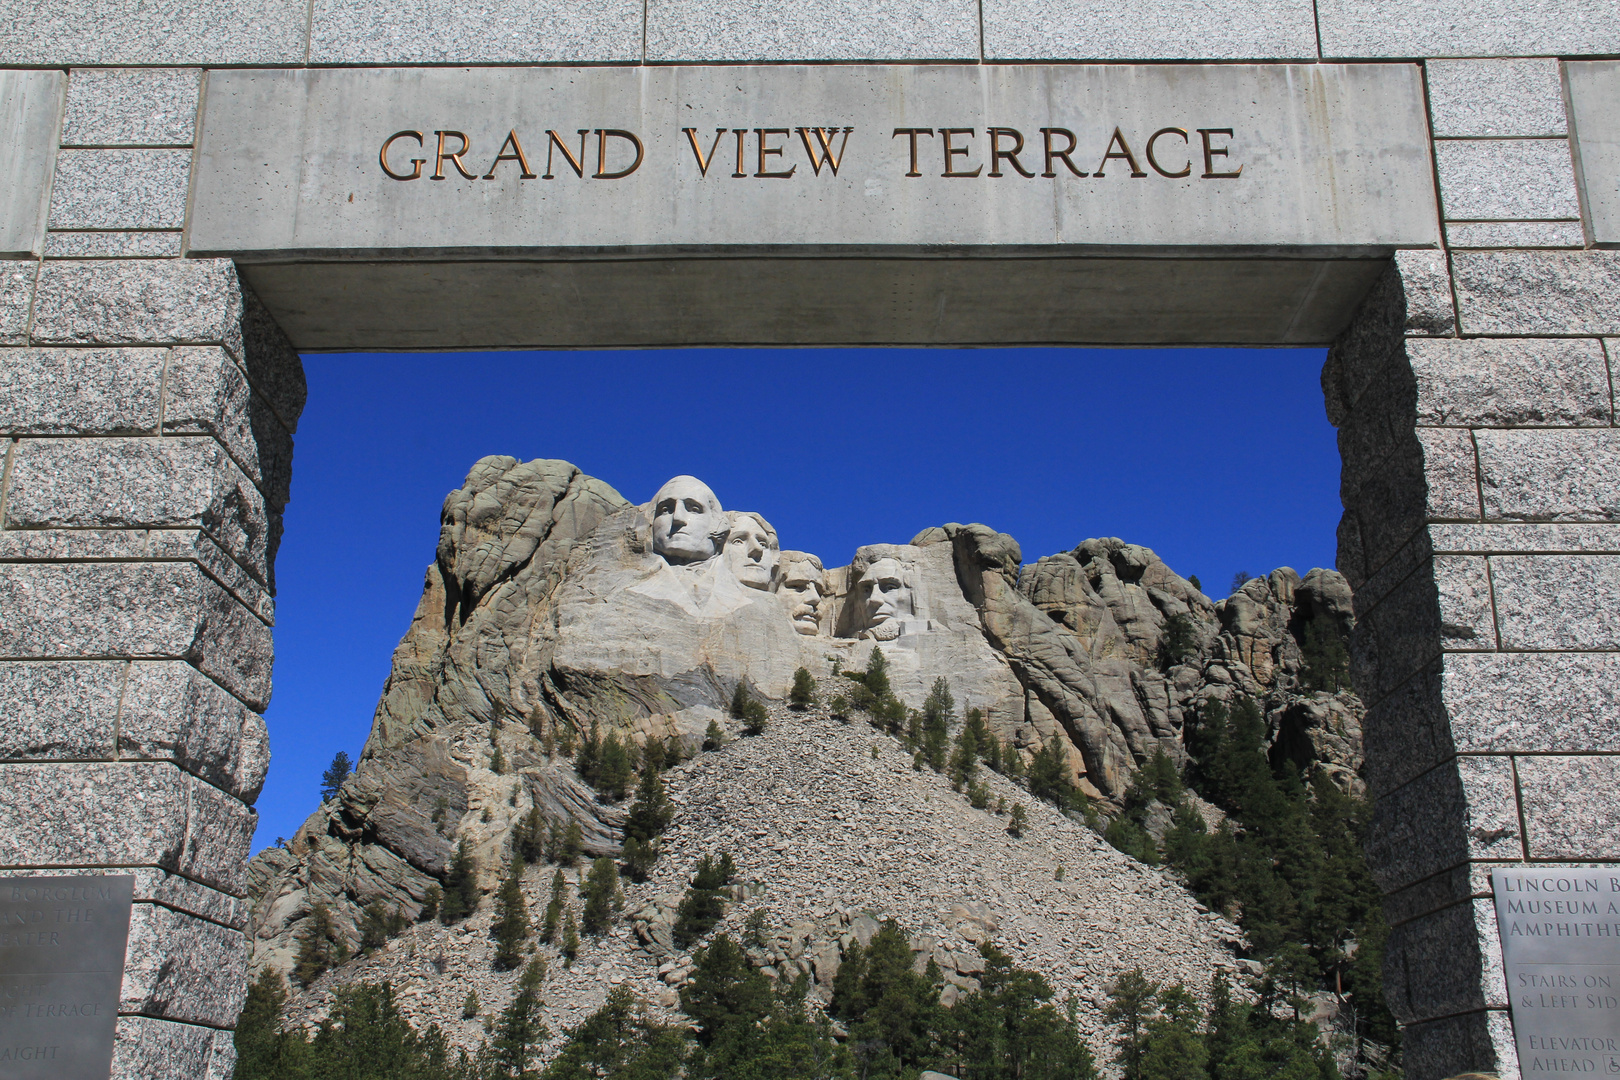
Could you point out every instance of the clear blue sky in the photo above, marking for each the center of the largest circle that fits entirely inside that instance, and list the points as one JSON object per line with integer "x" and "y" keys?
{"x": 1219, "y": 460}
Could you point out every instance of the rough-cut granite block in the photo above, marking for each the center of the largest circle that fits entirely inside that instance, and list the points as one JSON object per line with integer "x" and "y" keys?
{"x": 1534, "y": 702}
{"x": 1479, "y": 1041}
{"x": 137, "y": 610}
{"x": 1375, "y": 29}
{"x": 147, "y": 1048}
{"x": 1156, "y": 30}
{"x": 1462, "y": 810}
{"x": 1557, "y": 601}
{"x": 112, "y": 245}
{"x": 1502, "y": 383}
{"x": 1402, "y": 635}
{"x": 1514, "y": 234}
{"x": 207, "y": 393}
{"x": 136, "y": 32}
{"x": 222, "y": 1066}
{"x": 1465, "y": 603}
{"x": 273, "y": 366}
{"x": 1406, "y": 732}
{"x": 174, "y": 713}
{"x": 181, "y": 968}
{"x": 16, "y": 291}
{"x": 1382, "y": 517}
{"x": 1496, "y": 179}
{"x": 720, "y": 30}
{"x": 488, "y": 32}
{"x": 180, "y": 301}
{"x": 64, "y": 709}
{"x": 164, "y": 817}
{"x": 1427, "y": 283}
{"x": 1571, "y": 806}
{"x": 1550, "y": 474}
{"x": 139, "y": 483}
{"x": 80, "y": 391}
{"x": 1452, "y": 473}
{"x": 1445, "y": 963}
{"x": 1538, "y": 292}
{"x": 131, "y": 107}
{"x": 1496, "y": 98}
{"x": 1479, "y": 539}
{"x": 120, "y": 189}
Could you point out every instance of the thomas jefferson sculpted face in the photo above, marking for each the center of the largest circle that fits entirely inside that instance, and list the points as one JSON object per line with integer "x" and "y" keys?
{"x": 688, "y": 524}
{"x": 752, "y": 550}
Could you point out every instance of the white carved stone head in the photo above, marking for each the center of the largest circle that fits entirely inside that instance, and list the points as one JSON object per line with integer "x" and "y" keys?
{"x": 688, "y": 524}
{"x": 802, "y": 588}
{"x": 886, "y": 598}
{"x": 752, "y": 550}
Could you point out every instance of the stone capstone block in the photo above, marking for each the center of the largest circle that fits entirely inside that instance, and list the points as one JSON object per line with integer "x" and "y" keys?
{"x": 1496, "y": 179}
{"x": 16, "y": 292}
{"x": 136, "y": 32}
{"x": 1450, "y": 467}
{"x": 146, "y": 1048}
{"x": 1503, "y": 383}
{"x": 139, "y": 483}
{"x": 182, "y": 968}
{"x": 1571, "y": 806}
{"x": 131, "y": 107}
{"x": 1538, "y": 292}
{"x": 1427, "y": 284}
{"x": 172, "y": 712}
{"x": 1462, "y": 810}
{"x": 1496, "y": 98}
{"x": 120, "y": 189}
{"x": 123, "y": 814}
{"x": 731, "y": 30}
{"x": 182, "y": 302}
{"x": 1367, "y": 29}
{"x": 1534, "y": 702}
{"x": 59, "y": 709}
{"x": 112, "y": 245}
{"x": 136, "y": 610}
{"x": 1515, "y": 234}
{"x": 30, "y": 110}
{"x": 1557, "y": 601}
{"x": 490, "y": 32}
{"x": 1158, "y": 30}
{"x": 1550, "y": 474}
{"x": 80, "y": 391}
{"x": 1445, "y": 963}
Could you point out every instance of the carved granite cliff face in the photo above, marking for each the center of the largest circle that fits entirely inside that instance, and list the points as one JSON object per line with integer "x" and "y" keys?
{"x": 554, "y": 606}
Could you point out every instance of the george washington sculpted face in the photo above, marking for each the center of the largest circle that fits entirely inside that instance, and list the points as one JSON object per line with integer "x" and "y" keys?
{"x": 687, "y": 522}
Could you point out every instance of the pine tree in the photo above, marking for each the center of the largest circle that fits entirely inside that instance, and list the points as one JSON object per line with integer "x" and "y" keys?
{"x": 320, "y": 946}
{"x": 704, "y": 902}
{"x": 938, "y": 708}
{"x": 263, "y": 1051}
{"x": 378, "y": 923}
{"x": 431, "y": 899}
{"x": 497, "y": 762}
{"x": 519, "y": 1034}
{"x": 1175, "y": 1047}
{"x": 334, "y": 776}
{"x": 725, "y": 990}
{"x": 714, "y": 736}
{"x": 1131, "y": 1000}
{"x": 651, "y": 812}
{"x": 654, "y": 755}
{"x": 590, "y": 750}
{"x": 1018, "y": 821}
{"x": 877, "y": 676}
{"x": 620, "y": 1041}
{"x": 570, "y": 936}
{"x": 602, "y": 898}
{"x": 511, "y": 926}
{"x": 366, "y": 1037}
{"x": 548, "y": 929}
{"x": 529, "y": 838}
{"x": 460, "y": 886}
{"x": 1180, "y": 641}
{"x": 803, "y": 694}
{"x": 469, "y": 1005}
{"x": 613, "y": 769}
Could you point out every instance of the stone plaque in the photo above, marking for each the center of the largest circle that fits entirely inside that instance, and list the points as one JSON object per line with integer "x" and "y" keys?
{"x": 1560, "y": 930}
{"x": 1593, "y": 89}
{"x": 61, "y": 972}
{"x": 1163, "y": 157}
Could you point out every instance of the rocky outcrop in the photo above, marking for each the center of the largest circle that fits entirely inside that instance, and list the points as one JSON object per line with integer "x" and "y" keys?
{"x": 555, "y": 608}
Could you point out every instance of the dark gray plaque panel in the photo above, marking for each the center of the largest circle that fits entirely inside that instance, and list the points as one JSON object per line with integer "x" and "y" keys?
{"x": 1560, "y": 931}
{"x": 62, "y": 942}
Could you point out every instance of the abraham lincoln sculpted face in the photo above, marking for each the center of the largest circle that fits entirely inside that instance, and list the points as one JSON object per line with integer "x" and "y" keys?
{"x": 886, "y": 594}
{"x": 687, "y": 522}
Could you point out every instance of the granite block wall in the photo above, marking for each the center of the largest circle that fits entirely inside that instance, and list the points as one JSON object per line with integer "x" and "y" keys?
{"x": 147, "y": 404}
